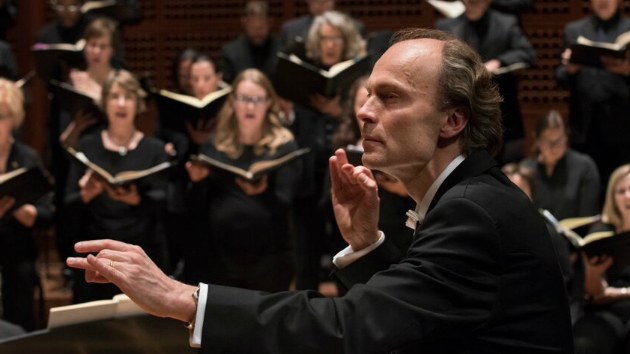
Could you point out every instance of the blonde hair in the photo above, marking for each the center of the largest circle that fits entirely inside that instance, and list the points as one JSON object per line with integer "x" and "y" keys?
{"x": 273, "y": 133}
{"x": 127, "y": 82}
{"x": 611, "y": 215}
{"x": 12, "y": 96}
{"x": 354, "y": 45}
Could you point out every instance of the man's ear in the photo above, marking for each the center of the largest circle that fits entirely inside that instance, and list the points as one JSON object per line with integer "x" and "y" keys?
{"x": 456, "y": 122}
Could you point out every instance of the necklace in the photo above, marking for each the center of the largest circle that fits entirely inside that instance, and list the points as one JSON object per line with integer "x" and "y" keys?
{"x": 122, "y": 148}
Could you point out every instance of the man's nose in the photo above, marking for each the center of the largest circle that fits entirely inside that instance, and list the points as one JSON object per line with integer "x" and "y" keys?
{"x": 366, "y": 113}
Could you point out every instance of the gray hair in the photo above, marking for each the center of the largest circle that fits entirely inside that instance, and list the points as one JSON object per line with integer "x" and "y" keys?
{"x": 256, "y": 9}
{"x": 354, "y": 45}
{"x": 464, "y": 82}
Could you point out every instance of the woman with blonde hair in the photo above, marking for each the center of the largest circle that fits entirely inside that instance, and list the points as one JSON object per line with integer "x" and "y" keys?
{"x": 130, "y": 213}
{"x": 605, "y": 326}
{"x": 17, "y": 247}
{"x": 245, "y": 242}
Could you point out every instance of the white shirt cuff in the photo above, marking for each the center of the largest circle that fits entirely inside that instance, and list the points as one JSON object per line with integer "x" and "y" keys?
{"x": 347, "y": 256}
{"x": 195, "y": 339}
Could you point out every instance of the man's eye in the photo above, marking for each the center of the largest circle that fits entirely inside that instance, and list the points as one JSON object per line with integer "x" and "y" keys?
{"x": 391, "y": 96}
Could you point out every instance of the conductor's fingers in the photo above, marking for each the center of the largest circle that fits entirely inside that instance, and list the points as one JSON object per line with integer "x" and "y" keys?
{"x": 366, "y": 180}
{"x": 95, "y": 246}
{"x": 342, "y": 158}
{"x": 335, "y": 178}
{"x": 79, "y": 263}
{"x": 113, "y": 255}
{"x": 105, "y": 268}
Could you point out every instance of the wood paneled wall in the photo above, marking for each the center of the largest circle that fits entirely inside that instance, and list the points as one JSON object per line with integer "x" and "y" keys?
{"x": 171, "y": 25}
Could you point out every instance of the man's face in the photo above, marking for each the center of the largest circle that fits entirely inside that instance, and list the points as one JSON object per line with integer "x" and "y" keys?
{"x": 256, "y": 28}
{"x": 318, "y": 7}
{"x": 476, "y": 8}
{"x": 68, "y": 12}
{"x": 605, "y": 9}
{"x": 401, "y": 124}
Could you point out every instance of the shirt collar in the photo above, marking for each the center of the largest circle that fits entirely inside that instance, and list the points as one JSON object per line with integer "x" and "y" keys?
{"x": 416, "y": 216}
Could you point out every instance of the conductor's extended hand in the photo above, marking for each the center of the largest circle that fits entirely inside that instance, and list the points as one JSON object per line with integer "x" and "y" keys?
{"x": 129, "y": 268}
{"x": 355, "y": 201}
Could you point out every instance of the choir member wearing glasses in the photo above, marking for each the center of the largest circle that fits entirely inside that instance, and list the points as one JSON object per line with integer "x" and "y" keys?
{"x": 128, "y": 213}
{"x": 567, "y": 181}
{"x": 245, "y": 241}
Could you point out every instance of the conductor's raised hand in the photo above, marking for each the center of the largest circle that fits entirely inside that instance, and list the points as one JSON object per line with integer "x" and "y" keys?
{"x": 128, "y": 267}
{"x": 355, "y": 201}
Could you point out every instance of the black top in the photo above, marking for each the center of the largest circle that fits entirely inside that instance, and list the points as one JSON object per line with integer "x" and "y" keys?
{"x": 244, "y": 232}
{"x": 313, "y": 130}
{"x": 513, "y": 7}
{"x": 573, "y": 188}
{"x": 16, "y": 241}
{"x": 8, "y": 14}
{"x": 106, "y": 218}
{"x": 8, "y": 66}
{"x": 241, "y": 54}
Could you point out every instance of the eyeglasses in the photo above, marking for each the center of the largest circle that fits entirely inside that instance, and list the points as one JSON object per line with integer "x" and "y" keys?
{"x": 333, "y": 40}
{"x": 68, "y": 8}
{"x": 256, "y": 100}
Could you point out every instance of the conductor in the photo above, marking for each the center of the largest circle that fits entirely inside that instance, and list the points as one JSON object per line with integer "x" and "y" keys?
{"x": 480, "y": 275}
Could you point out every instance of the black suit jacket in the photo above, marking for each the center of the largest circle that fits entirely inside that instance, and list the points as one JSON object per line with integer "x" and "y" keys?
{"x": 239, "y": 55}
{"x": 479, "y": 277}
{"x": 497, "y": 36}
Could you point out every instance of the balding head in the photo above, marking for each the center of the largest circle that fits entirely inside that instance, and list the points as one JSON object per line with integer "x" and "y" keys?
{"x": 417, "y": 58}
